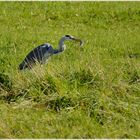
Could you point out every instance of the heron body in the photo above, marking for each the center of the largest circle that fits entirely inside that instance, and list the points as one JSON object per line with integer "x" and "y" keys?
{"x": 43, "y": 52}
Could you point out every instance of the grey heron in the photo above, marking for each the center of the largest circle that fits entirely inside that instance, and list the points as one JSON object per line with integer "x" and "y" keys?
{"x": 43, "y": 52}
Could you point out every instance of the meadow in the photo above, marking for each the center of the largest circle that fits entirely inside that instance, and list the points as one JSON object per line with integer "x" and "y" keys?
{"x": 93, "y": 92}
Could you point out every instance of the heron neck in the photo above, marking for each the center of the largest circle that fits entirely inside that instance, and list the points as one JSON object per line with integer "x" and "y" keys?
{"x": 61, "y": 45}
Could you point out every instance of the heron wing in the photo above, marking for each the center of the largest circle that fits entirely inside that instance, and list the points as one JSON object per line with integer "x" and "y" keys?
{"x": 40, "y": 54}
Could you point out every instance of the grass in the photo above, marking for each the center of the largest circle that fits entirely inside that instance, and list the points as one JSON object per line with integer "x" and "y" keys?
{"x": 82, "y": 93}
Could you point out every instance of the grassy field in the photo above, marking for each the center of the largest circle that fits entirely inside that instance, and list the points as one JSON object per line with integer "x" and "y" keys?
{"x": 92, "y": 92}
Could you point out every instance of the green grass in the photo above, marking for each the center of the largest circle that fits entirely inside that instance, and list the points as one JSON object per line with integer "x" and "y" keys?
{"x": 92, "y": 92}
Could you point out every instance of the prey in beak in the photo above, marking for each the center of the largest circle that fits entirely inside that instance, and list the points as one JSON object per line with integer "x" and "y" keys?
{"x": 78, "y": 40}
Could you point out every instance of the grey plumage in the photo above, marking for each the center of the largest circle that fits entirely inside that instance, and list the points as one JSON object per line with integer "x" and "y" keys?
{"x": 43, "y": 52}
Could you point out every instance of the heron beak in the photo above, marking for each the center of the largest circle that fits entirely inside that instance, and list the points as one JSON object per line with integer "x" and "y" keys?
{"x": 78, "y": 40}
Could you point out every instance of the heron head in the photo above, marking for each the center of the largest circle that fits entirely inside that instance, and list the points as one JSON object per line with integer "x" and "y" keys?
{"x": 69, "y": 37}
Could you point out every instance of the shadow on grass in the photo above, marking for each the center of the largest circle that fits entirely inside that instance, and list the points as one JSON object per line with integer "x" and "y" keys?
{"x": 59, "y": 103}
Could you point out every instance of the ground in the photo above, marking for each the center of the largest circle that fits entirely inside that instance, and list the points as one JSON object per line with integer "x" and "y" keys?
{"x": 89, "y": 92}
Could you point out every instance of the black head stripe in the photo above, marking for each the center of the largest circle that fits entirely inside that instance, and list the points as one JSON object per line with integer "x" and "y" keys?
{"x": 68, "y": 36}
